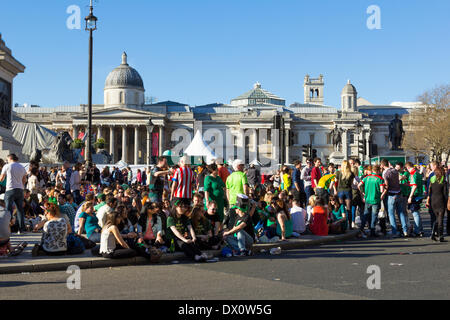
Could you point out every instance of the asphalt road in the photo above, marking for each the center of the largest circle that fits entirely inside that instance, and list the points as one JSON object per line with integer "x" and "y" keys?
{"x": 409, "y": 269}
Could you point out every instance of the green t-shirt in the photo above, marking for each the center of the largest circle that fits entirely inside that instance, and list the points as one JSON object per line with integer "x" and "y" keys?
{"x": 415, "y": 179}
{"x": 361, "y": 172}
{"x": 181, "y": 224}
{"x": 338, "y": 215}
{"x": 235, "y": 185}
{"x": 404, "y": 184}
{"x": 372, "y": 188}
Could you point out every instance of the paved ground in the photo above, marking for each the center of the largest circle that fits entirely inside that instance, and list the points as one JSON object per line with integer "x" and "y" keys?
{"x": 410, "y": 269}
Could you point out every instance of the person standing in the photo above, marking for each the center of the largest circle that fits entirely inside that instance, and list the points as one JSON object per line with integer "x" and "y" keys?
{"x": 316, "y": 174}
{"x": 223, "y": 171}
{"x": 237, "y": 182}
{"x": 373, "y": 193}
{"x": 344, "y": 179}
{"x": 16, "y": 177}
{"x": 299, "y": 188}
{"x": 306, "y": 177}
{"x": 392, "y": 182}
{"x": 156, "y": 180}
{"x": 214, "y": 191}
{"x": 183, "y": 182}
{"x": 75, "y": 181}
{"x": 405, "y": 189}
{"x": 437, "y": 200}
{"x": 415, "y": 197}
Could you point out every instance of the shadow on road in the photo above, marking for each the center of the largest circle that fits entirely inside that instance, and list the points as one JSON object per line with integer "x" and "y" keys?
{"x": 9, "y": 284}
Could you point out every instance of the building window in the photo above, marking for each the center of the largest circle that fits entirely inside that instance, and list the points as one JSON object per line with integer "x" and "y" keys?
{"x": 121, "y": 98}
{"x": 311, "y": 138}
{"x": 136, "y": 98}
{"x": 352, "y": 138}
{"x": 329, "y": 139}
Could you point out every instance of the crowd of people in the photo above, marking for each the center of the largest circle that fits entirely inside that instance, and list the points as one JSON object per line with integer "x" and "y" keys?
{"x": 118, "y": 214}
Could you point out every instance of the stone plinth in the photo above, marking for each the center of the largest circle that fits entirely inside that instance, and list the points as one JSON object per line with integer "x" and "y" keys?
{"x": 337, "y": 157}
{"x": 9, "y": 145}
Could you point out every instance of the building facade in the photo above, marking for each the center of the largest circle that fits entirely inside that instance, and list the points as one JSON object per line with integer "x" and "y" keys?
{"x": 135, "y": 131}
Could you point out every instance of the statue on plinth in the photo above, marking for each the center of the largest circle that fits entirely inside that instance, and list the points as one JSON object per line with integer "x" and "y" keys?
{"x": 396, "y": 133}
{"x": 336, "y": 137}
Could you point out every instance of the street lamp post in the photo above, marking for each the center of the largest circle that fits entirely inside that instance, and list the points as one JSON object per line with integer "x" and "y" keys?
{"x": 91, "y": 26}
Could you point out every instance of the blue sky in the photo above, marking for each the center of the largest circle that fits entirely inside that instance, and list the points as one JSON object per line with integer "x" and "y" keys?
{"x": 206, "y": 51}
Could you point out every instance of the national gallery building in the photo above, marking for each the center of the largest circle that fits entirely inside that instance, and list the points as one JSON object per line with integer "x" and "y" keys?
{"x": 135, "y": 131}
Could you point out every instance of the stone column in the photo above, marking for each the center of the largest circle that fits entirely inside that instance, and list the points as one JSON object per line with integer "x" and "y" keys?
{"x": 161, "y": 140}
{"x": 345, "y": 144}
{"x": 75, "y": 132}
{"x": 136, "y": 145}
{"x": 124, "y": 144}
{"x": 112, "y": 143}
{"x": 99, "y": 132}
{"x": 286, "y": 143}
{"x": 149, "y": 143}
{"x": 241, "y": 145}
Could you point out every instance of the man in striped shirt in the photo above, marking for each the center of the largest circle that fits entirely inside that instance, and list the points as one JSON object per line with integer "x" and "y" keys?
{"x": 183, "y": 182}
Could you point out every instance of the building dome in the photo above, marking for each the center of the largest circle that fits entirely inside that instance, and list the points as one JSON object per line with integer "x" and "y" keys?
{"x": 124, "y": 76}
{"x": 349, "y": 89}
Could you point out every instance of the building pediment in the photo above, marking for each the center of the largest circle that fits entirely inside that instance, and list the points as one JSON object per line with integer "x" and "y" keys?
{"x": 122, "y": 113}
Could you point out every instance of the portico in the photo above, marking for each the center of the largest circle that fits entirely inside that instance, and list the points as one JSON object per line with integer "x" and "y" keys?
{"x": 128, "y": 133}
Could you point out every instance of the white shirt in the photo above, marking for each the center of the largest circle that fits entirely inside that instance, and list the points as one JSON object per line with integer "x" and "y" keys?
{"x": 298, "y": 217}
{"x": 14, "y": 174}
{"x": 101, "y": 214}
{"x": 75, "y": 181}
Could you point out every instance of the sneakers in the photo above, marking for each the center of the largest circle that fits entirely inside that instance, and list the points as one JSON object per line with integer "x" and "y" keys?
{"x": 200, "y": 258}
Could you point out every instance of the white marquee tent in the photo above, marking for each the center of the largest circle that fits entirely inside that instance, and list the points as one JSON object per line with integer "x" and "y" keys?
{"x": 198, "y": 147}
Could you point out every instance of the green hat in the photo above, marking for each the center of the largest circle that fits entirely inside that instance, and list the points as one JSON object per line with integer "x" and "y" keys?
{"x": 125, "y": 186}
{"x": 243, "y": 209}
{"x": 99, "y": 195}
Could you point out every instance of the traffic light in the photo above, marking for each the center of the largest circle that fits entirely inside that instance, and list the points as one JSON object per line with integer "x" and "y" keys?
{"x": 361, "y": 148}
{"x": 314, "y": 153}
{"x": 306, "y": 151}
{"x": 291, "y": 138}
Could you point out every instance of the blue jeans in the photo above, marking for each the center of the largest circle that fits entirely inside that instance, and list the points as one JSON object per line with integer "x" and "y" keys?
{"x": 415, "y": 210}
{"x": 370, "y": 212}
{"x": 241, "y": 242}
{"x": 343, "y": 195}
{"x": 309, "y": 192}
{"x": 394, "y": 203}
{"x": 16, "y": 196}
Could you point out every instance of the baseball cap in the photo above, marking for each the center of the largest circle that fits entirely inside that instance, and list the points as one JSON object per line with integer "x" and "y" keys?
{"x": 242, "y": 202}
{"x": 236, "y": 163}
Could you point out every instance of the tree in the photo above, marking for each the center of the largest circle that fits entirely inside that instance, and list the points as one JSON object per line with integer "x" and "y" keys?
{"x": 429, "y": 126}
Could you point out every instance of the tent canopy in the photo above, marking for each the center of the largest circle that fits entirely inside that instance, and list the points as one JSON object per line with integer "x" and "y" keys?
{"x": 198, "y": 147}
{"x": 32, "y": 136}
{"x": 121, "y": 165}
